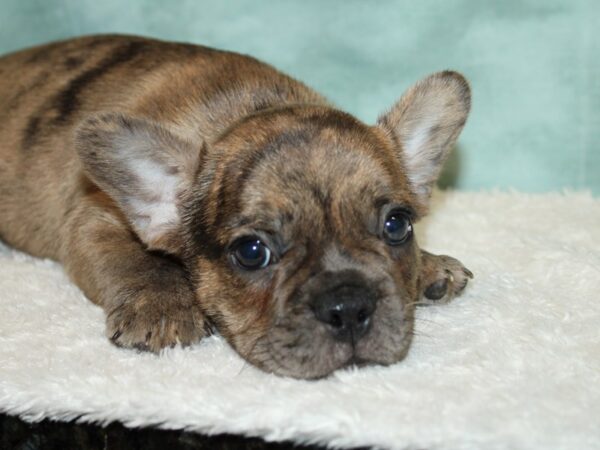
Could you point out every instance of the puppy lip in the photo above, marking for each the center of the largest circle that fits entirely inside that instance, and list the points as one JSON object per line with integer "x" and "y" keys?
{"x": 352, "y": 362}
{"x": 357, "y": 361}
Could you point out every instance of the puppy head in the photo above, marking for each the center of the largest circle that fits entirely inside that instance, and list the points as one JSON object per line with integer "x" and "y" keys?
{"x": 296, "y": 224}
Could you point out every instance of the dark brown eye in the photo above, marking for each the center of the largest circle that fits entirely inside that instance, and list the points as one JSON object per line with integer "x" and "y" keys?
{"x": 397, "y": 228}
{"x": 251, "y": 254}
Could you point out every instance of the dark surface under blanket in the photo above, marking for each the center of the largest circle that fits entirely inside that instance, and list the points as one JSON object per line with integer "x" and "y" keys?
{"x": 49, "y": 435}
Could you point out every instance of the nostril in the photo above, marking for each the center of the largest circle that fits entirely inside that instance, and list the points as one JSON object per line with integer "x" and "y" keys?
{"x": 362, "y": 316}
{"x": 335, "y": 319}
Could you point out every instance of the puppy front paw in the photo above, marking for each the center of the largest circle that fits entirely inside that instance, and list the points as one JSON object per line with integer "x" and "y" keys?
{"x": 443, "y": 278}
{"x": 151, "y": 321}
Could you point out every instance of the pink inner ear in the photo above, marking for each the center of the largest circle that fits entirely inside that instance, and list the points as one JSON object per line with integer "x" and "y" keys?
{"x": 427, "y": 121}
{"x": 152, "y": 207}
{"x": 144, "y": 167}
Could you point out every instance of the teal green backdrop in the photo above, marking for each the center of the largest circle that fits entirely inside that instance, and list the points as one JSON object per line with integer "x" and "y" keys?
{"x": 534, "y": 65}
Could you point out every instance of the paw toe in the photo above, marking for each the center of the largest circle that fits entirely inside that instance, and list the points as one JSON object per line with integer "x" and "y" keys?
{"x": 437, "y": 290}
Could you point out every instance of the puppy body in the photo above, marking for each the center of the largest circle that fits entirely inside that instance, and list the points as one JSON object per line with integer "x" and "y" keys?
{"x": 46, "y": 92}
{"x": 147, "y": 167}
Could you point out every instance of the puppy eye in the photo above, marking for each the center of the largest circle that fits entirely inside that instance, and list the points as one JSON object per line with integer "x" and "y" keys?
{"x": 397, "y": 228}
{"x": 252, "y": 254}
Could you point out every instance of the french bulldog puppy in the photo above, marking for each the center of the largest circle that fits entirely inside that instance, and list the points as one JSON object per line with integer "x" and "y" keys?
{"x": 187, "y": 189}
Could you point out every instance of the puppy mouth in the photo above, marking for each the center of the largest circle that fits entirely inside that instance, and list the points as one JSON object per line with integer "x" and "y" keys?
{"x": 357, "y": 361}
{"x": 347, "y": 359}
{"x": 304, "y": 346}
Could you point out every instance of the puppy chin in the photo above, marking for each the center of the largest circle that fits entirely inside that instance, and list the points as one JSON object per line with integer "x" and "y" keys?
{"x": 326, "y": 355}
{"x": 304, "y": 364}
{"x": 343, "y": 357}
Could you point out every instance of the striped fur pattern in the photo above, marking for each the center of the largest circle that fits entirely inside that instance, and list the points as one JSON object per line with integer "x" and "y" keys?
{"x": 138, "y": 164}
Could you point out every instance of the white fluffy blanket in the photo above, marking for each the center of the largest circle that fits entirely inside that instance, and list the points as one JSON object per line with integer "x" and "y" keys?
{"x": 513, "y": 363}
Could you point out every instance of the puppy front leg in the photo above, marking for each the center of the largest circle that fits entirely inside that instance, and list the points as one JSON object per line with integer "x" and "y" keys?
{"x": 442, "y": 278}
{"x": 148, "y": 299}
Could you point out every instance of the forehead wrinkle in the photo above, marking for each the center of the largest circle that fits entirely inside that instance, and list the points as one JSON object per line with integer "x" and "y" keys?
{"x": 356, "y": 184}
{"x": 317, "y": 190}
{"x": 241, "y": 166}
{"x": 365, "y": 140}
{"x": 283, "y": 216}
{"x": 315, "y": 176}
{"x": 336, "y": 158}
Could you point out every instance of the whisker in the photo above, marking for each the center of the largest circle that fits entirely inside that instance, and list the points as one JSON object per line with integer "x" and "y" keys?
{"x": 418, "y": 303}
{"x": 421, "y": 319}
{"x": 244, "y": 366}
{"x": 421, "y": 334}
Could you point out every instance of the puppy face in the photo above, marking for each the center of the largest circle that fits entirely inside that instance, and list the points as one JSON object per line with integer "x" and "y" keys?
{"x": 316, "y": 263}
{"x": 296, "y": 225}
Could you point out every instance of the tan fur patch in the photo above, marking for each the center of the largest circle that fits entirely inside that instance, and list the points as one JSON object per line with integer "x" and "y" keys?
{"x": 142, "y": 165}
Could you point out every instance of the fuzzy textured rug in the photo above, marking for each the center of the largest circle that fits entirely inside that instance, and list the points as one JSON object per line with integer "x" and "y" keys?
{"x": 513, "y": 363}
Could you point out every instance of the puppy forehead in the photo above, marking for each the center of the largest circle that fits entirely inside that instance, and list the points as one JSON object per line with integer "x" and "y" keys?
{"x": 298, "y": 166}
{"x": 320, "y": 172}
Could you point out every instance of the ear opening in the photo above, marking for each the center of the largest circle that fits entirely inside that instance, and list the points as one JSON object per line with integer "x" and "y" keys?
{"x": 145, "y": 168}
{"x": 425, "y": 123}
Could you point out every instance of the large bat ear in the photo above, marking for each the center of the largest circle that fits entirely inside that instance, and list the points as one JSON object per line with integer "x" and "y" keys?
{"x": 145, "y": 169}
{"x": 425, "y": 124}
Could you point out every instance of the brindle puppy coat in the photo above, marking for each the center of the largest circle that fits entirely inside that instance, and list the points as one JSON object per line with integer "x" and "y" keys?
{"x": 182, "y": 186}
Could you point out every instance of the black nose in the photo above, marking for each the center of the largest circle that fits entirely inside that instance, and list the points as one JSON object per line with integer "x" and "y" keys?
{"x": 347, "y": 310}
